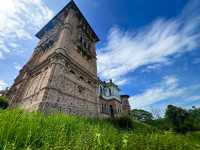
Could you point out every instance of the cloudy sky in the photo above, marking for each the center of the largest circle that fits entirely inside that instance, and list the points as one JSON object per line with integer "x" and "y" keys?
{"x": 150, "y": 48}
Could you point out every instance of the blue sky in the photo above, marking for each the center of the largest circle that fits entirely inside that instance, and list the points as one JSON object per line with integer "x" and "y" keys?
{"x": 150, "y": 48}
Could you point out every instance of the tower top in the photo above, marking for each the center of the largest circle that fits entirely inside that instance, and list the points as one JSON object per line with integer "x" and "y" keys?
{"x": 50, "y": 25}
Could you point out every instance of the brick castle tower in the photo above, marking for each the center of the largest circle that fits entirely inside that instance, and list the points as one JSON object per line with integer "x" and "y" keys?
{"x": 61, "y": 75}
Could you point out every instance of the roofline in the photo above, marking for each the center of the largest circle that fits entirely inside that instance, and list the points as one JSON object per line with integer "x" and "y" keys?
{"x": 54, "y": 18}
{"x": 109, "y": 98}
{"x": 106, "y": 83}
{"x": 125, "y": 96}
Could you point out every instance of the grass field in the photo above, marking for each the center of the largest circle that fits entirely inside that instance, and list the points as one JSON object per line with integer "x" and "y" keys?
{"x": 26, "y": 131}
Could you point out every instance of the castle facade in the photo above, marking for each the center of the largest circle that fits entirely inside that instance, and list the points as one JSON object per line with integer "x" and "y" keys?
{"x": 61, "y": 75}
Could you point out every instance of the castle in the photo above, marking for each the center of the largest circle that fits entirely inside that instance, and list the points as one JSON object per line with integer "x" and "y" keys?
{"x": 61, "y": 75}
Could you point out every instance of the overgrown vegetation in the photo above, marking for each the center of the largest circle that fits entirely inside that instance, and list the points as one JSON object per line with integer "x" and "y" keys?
{"x": 3, "y": 102}
{"x": 179, "y": 119}
{"x": 21, "y": 130}
{"x": 124, "y": 122}
{"x": 176, "y": 119}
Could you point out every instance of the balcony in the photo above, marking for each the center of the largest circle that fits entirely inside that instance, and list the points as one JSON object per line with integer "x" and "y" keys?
{"x": 111, "y": 97}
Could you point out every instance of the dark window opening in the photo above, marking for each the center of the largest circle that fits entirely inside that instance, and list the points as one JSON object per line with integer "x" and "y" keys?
{"x": 111, "y": 111}
{"x": 81, "y": 39}
{"x": 110, "y": 92}
{"x": 101, "y": 90}
{"x": 72, "y": 71}
{"x": 81, "y": 78}
{"x": 89, "y": 46}
{"x": 85, "y": 44}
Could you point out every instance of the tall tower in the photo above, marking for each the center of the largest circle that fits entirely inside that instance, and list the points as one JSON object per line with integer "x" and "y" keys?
{"x": 61, "y": 75}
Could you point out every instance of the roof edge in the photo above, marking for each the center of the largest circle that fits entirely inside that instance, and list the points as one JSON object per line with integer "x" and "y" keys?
{"x": 41, "y": 32}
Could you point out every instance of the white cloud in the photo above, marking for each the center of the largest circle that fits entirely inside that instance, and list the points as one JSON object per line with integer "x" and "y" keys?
{"x": 194, "y": 98}
{"x": 121, "y": 82}
{"x": 2, "y": 85}
{"x": 19, "y": 19}
{"x": 152, "y": 45}
{"x": 17, "y": 66}
{"x": 167, "y": 89}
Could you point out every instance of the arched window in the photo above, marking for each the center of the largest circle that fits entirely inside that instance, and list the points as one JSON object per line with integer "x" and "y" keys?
{"x": 89, "y": 46}
{"x": 85, "y": 44}
{"x": 110, "y": 92}
{"x": 101, "y": 90}
{"x": 81, "y": 39}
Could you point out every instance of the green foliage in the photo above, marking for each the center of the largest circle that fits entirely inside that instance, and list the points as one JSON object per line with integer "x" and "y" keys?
{"x": 21, "y": 131}
{"x": 3, "y": 102}
{"x": 195, "y": 118}
{"x": 180, "y": 119}
{"x": 141, "y": 115}
{"x": 161, "y": 124}
{"x": 124, "y": 122}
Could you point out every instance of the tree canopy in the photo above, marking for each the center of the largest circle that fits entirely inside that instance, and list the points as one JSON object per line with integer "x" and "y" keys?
{"x": 141, "y": 115}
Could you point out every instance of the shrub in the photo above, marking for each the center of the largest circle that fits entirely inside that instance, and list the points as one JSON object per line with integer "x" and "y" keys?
{"x": 3, "y": 102}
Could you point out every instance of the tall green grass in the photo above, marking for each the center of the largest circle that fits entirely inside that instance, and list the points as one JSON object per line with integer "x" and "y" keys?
{"x": 26, "y": 131}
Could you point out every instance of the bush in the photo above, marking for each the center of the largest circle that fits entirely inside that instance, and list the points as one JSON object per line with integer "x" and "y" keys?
{"x": 180, "y": 119}
{"x": 123, "y": 122}
{"x": 3, "y": 102}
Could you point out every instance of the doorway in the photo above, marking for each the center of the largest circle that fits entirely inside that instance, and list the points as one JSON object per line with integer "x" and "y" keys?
{"x": 111, "y": 111}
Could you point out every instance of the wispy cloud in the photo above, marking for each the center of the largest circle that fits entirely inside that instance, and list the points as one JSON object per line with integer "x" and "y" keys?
{"x": 2, "y": 85}
{"x": 17, "y": 66}
{"x": 19, "y": 19}
{"x": 152, "y": 45}
{"x": 168, "y": 89}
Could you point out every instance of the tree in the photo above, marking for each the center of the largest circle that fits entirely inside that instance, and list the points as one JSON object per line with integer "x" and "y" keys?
{"x": 141, "y": 115}
{"x": 3, "y": 102}
{"x": 179, "y": 118}
{"x": 195, "y": 116}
